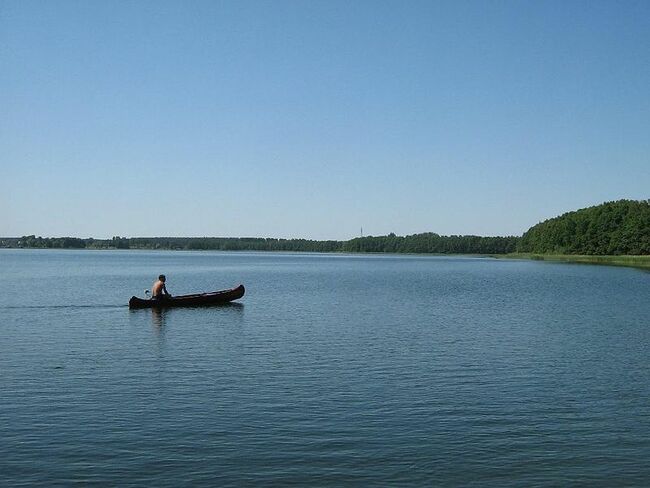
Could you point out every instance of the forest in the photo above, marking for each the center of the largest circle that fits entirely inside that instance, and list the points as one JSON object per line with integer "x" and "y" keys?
{"x": 613, "y": 228}
{"x": 418, "y": 243}
{"x": 432, "y": 243}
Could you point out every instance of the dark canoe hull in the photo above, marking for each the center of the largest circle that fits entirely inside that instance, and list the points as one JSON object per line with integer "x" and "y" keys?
{"x": 196, "y": 300}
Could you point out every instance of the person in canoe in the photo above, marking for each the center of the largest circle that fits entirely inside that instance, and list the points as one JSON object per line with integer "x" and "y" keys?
{"x": 159, "y": 290}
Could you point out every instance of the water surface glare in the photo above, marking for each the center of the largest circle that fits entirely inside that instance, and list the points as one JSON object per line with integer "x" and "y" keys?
{"x": 333, "y": 370}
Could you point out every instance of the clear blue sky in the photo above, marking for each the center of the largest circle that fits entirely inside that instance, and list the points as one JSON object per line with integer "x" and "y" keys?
{"x": 314, "y": 118}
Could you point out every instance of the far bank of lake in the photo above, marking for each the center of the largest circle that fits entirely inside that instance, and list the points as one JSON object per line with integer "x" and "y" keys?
{"x": 632, "y": 261}
{"x": 303, "y": 246}
{"x": 635, "y": 261}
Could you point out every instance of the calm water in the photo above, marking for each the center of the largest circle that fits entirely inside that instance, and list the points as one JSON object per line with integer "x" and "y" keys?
{"x": 333, "y": 371}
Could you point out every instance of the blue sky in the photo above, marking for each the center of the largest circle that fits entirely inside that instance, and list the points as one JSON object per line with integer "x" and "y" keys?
{"x": 314, "y": 118}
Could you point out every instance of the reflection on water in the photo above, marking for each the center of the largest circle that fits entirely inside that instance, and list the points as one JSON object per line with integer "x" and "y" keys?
{"x": 158, "y": 319}
{"x": 158, "y": 316}
{"x": 236, "y": 307}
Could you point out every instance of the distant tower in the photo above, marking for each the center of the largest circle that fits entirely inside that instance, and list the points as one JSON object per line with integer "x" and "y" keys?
{"x": 361, "y": 231}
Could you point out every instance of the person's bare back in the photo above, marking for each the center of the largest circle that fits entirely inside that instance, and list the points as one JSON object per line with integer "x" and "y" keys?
{"x": 159, "y": 290}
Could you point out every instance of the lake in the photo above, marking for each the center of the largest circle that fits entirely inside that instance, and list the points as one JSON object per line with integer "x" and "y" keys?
{"x": 333, "y": 370}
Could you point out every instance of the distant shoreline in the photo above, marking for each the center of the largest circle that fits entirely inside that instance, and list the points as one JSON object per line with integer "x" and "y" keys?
{"x": 426, "y": 243}
{"x": 613, "y": 233}
{"x": 642, "y": 261}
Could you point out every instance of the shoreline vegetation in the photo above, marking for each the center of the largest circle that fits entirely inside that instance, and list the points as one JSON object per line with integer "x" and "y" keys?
{"x": 427, "y": 243}
{"x": 613, "y": 233}
{"x": 640, "y": 261}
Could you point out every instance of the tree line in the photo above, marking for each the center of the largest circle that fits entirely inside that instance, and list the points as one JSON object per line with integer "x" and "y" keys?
{"x": 612, "y": 228}
{"x": 432, "y": 243}
{"x": 417, "y": 243}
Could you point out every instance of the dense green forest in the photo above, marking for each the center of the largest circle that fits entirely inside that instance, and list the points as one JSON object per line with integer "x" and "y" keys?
{"x": 175, "y": 243}
{"x": 418, "y": 243}
{"x": 613, "y": 228}
{"x": 432, "y": 243}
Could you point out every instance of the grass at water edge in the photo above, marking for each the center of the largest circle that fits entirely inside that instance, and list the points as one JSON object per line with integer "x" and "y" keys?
{"x": 633, "y": 261}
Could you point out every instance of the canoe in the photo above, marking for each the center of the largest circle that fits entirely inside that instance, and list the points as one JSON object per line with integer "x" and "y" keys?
{"x": 196, "y": 300}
